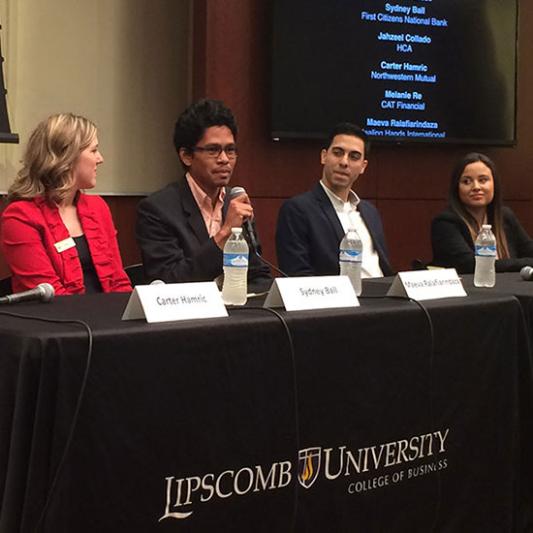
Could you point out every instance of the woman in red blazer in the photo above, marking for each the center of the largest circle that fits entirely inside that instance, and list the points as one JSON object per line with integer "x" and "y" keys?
{"x": 50, "y": 230}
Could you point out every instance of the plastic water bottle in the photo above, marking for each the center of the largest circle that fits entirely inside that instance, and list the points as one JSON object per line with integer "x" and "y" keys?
{"x": 485, "y": 273}
{"x": 350, "y": 257}
{"x": 234, "y": 287}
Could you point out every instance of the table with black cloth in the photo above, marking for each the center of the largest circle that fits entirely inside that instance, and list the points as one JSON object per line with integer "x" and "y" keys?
{"x": 511, "y": 283}
{"x": 213, "y": 425}
{"x": 508, "y": 284}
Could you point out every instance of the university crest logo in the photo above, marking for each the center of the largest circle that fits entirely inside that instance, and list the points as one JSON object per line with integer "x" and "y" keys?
{"x": 309, "y": 465}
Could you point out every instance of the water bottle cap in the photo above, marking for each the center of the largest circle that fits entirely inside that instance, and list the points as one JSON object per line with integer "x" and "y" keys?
{"x": 486, "y": 226}
{"x": 237, "y": 231}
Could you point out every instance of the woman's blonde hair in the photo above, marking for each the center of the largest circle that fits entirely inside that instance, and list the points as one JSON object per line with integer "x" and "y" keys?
{"x": 52, "y": 150}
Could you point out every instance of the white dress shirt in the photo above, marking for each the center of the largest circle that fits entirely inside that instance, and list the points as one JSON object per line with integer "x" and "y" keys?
{"x": 350, "y": 217}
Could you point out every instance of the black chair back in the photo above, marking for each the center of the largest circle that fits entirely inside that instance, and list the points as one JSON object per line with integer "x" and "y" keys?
{"x": 136, "y": 274}
{"x": 5, "y": 286}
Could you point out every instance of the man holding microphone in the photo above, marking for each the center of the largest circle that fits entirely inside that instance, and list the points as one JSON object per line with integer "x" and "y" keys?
{"x": 182, "y": 229}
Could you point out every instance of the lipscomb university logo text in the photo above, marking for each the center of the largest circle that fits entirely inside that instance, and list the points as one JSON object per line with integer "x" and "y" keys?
{"x": 309, "y": 465}
{"x": 364, "y": 468}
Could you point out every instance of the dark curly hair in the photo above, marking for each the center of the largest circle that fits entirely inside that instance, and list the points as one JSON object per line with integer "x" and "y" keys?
{"x": 193, "y": 122}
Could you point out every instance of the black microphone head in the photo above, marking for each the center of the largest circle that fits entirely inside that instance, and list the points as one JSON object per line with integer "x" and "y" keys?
{"x": 236, "y": 191}
{"x": 526, "y": 273}
{"x": 46, "y": 291}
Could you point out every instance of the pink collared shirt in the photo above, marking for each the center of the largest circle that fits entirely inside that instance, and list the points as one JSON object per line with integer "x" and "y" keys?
{"x": 212, "y": 215}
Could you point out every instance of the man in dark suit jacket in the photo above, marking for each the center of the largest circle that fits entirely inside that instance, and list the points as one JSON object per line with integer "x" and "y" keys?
{"x": 311, "y": 226}
{"x": 182, "y": 229}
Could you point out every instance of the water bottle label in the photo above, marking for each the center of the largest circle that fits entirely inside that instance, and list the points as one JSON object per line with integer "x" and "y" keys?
{"x": 486, "y": 251}
{"x": 235, "y": 260}
{"x": 350, "y": 256}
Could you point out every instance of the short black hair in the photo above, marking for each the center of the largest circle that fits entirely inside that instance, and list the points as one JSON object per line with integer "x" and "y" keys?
{"x": 347, "y": 128}
{"x": 199, "y": 116}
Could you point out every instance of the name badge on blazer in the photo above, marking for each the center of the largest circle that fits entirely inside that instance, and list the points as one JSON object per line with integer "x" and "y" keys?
{"x": 65, "y": 244}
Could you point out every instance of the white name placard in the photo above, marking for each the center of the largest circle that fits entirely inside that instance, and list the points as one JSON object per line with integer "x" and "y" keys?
{"x": 175, "y": 301}
{"x": 427, "y": 284}
{"x": 318, "y": 292}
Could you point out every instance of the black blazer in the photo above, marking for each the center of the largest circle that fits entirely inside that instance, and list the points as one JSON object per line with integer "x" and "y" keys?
{"x": 174, "y": 242}
{"x": 309, "y": 233}
{"x": 453, "y": 246}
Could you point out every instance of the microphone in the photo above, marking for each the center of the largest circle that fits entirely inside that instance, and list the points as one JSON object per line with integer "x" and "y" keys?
{"x": 237, "y": 191}
{"x": 44, "y": 292}
{"x": 527, "y": 273}
{"x": 247, "y": 223}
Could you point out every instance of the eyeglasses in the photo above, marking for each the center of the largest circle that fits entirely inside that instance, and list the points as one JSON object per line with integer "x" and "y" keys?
{"x": 214, "y": 150}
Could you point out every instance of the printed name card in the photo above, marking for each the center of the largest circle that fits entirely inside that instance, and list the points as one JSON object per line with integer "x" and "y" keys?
{"x": 318, "y": 292}
{"x": 427, "y": 284}
{"x": 175, "y": 301}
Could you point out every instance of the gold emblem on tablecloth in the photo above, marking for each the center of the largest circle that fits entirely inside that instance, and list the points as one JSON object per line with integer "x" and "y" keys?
{"x": 309, "y": 466}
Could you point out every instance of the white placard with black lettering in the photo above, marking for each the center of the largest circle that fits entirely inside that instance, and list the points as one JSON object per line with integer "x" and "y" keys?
{"x": 427, "y": 284}
{"x": 312, "y": 292}
{"x": 175, "y": 301}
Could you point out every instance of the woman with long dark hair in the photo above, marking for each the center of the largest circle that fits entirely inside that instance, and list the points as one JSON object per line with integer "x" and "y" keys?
{"x": 475, "y": 198}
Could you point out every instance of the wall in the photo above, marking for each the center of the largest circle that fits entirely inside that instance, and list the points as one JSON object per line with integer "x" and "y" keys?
{"x": 125, "y": 64}
{"x": 407, "y": 183}
{"x": 231, "y": 42}
{"x": 122, "y": 63}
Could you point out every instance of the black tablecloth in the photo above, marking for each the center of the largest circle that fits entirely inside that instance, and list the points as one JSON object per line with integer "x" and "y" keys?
{"x": 507, "y": 283}
{"x": 214, "y": 425}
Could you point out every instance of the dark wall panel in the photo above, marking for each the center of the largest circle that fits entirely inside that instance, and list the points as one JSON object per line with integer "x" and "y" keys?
{"x": 124, "y": 209}
{"x": 408, "y": 229}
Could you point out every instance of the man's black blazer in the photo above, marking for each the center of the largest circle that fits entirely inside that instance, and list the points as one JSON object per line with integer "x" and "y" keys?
{"x": 309, "y": 233}
{"x": 174, "y": 242}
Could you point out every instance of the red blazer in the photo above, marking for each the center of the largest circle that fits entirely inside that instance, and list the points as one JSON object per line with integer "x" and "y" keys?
{"x": 30, "y": 228}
